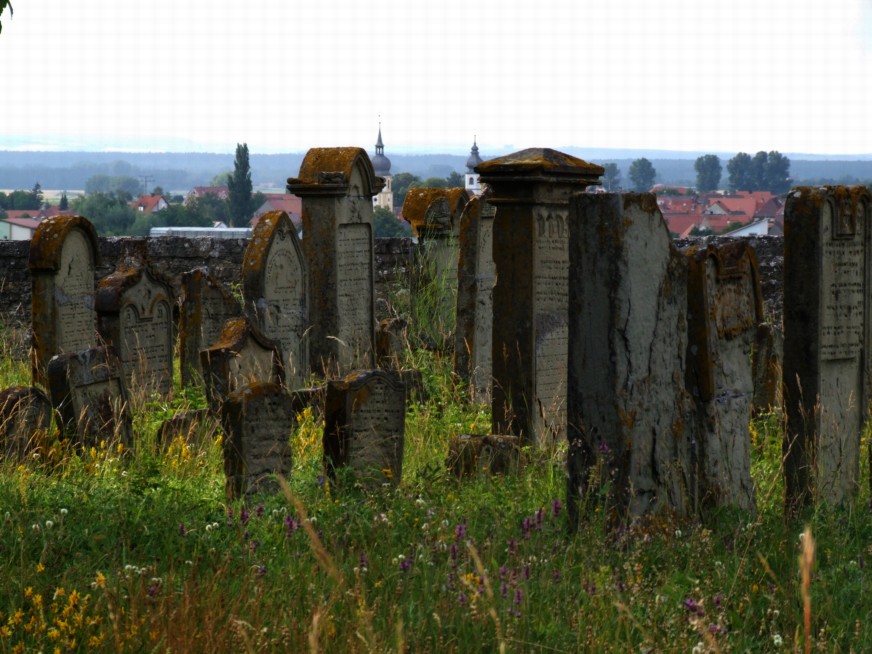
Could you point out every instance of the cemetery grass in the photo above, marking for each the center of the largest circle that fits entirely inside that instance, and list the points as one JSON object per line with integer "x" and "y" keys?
{"x": 102, "y": 549}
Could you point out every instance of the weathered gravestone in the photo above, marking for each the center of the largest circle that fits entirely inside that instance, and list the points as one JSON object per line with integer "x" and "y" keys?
{"x": 242, "y": 355}
{"x": 25, "y": 419}
{"x": 257, "y": 421}
{"x": 89, "y": 396}
{"x": 135, "y": 315}
{"x": 768, "y": 355}
{"x": 337, "y": 186}
{"x": 826, "y": 340}
{"x": 205, "y": 306}
{"x": 725, "y": 307}
{"x": 63, "y": 256}
{"x": 475, "y": 285}
{"x": 470, "y": 454}
{"x": 630, "y": 417}
{"x": 531, "y": 191}
{"x": 364, "y": 425}
{"x": 191, "y": 427}
{"x": 274, "y": 286}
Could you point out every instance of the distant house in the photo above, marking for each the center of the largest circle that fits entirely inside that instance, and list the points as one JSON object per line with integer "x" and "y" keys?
{"x": 149, "y": 204}
{"x": 221, "y": 192}
{"x": 287, "y": 202}
{"x": 18, "y": 229}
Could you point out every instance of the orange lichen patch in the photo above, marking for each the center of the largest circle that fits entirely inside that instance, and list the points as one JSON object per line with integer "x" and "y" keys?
{"x": 233, "y": 335}
{"x": 255, "y": 252}
{"x": 543, "y": 160}
{"x": 258, "y": 389}
{"x": 49, "y": 237}
{"x": 332, "y": 168}
{"x": 111, "y": 288}
{"x": 423, "y": 204}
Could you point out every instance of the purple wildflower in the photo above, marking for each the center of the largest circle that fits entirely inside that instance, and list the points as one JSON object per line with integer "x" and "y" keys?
{"x": 460, "y": 532}
{"x": 461, "y": 599}
{"x": 504, "y": 589}
{"x": 540, "y": 518}
{"x": 152, "y": 590}
{"x": 363, "y": 562}
{"x": 259, "y": 510}
{"x": 405, "y": 564}
{"x": 291, "y": 525}
{"x": 182, "y": 531}
{"x": 519, "y": 596}
{"x": 556, "y": 575}
{"x": 513, "y": 546}
{"x": 261, "y": 570}
{"x": 243, "y": 516}
{"x": 603, "y": 448}
{"x": 556, "y": 506}
{"x": 453, "y": 552}
{"x": 691, "y": 605}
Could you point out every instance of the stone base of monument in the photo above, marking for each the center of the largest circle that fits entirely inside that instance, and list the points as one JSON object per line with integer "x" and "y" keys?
{"x": 193, "y": 427}
{"x": 470, "y": 454}
{"x": 25, "y": 419}
{"x": 257, "y": 421}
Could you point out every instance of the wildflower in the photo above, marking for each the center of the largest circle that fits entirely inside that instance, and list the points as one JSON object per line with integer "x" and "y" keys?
{"x": 100, "y": 580}
{"x": 519, "y": 596}
{"x": 63, "y": 512}
{"x": 556, "y": 506}
{"x": 405, "y": 564}
{"x": 49, "y": 524}
{"x": 699, "y": 648}
{"x": 678, "y": 533}
{"x": 258, "y": 511}
{"x": 603, "y": 448}
{"x": 460, "y": 532}
{"x": 513, "y": 546}
{"x": 243, "y": 516}
{"x": 261, "y": 570}
{"x": 693, "y": 606}
{"x": 777, "y": 640}
{"x": 35, "y": 527}
{"x": 419, "y": 502}
{"x": 152, "y": 590}
{"x": 540, "y": 518}
{"x": 182, "y": 530}
{"x": 461, "y": 599}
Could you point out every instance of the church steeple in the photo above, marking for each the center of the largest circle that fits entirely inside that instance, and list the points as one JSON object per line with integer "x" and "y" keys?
{"x": 381, "y": 165}
{"x": 473, "y": 185}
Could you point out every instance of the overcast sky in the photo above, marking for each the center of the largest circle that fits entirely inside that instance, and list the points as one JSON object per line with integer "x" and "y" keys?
{"x": 286, "y": 75}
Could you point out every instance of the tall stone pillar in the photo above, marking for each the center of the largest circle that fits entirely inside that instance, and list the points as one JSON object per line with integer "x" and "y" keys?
{"x": 531, "y": 191}
{"x": 337, "y": 186}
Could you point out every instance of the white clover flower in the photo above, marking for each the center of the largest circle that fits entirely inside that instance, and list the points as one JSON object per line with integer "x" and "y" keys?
{"x": 678, "y": 533}
{"x": 35, "y": 527}
{"x": 63, "y": 512}
{"x": 699, "y": 648}
{"x": 420, "y": 502}
{"x": 777, "y": 640}
{"x": 49, "y": 524}
{"x": 209, "y": 528}
{"x": 425, "y": 527}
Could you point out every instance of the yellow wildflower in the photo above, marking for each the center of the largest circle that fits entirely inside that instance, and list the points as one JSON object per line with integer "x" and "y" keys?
{"x": 100, "y": 580}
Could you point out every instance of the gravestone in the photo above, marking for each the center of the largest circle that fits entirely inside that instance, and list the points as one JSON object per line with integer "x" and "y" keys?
{"x": 337, "y": 186}
{"x": 470, "y": 454}
{"x": 196, "y": 426}
{"x": 725, "y": 307}
{"x": 257, "y": 421}
{"x": 391, "y": 337}
{"x": 826, "y": 337}
{"x": 531, "y": 191}
{"x": 241, "y": 356}
{"x": 135, "y": 315}
{"x": 25, "y": 420}
{"x": 364, "y": 424}
{"x": 63, "y": 256}
{"x": 206, "y": 305}
{"x": 475, "y": 284}
{"x": 89, "y": 397}
{"x": 630, "y": 418}
{"x": 768, "y": 355}
{"x": 274, "y": 287}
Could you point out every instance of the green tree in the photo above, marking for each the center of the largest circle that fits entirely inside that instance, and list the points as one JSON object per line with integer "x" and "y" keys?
{"x": 435, "y": 182}
{"x": 209, "y": 209}
{"x": 385, "y": 224}
{"x": 125, "y": 185}
{"x": 110, "y": 213}
{"x": 64, "y": 203}
{"x": 611, "y": 177}
{"x": 642, "y": 174}
{"x": 19, "y": 200}
{"x": 36, "y": 194}
{"x": 708, "y": 173}
{"x": 401, "y": 183}
{"x": 3, "y": 5}
{"x": 762, "y": 172}
{"x": 741, "y": 173}
{"x": 777, "y": 173}
{"x": 221, "y": 178}
{"x": 239, "y": 188}
{"x": 455, "y": 179}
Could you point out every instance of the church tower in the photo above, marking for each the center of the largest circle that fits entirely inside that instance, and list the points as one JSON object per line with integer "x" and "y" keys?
{"x": 473, "y": 185}
{"x": 381, "y": 165}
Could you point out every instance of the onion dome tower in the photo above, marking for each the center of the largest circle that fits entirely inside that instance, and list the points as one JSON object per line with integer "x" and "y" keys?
{"x": 473, "y": 185}
{"x": 381, "y": 165}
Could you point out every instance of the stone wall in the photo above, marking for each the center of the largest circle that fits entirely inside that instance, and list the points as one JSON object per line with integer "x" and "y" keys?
{"x": 171, "y": 257}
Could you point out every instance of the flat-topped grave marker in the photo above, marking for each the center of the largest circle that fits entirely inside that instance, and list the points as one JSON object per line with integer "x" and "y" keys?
{"x": 337, "y": 186}
{"x": 89, "y": 397}
{"x": 64, "y": 254}
{"x": 135, "y": 315}
{"x": 364, "y": 425}
{"x": 257, "y": 421}
{"x": 531, "y": 191}
{"x": 275, "y": 289}
{"x": 725, "y": 308}
{"x": 630, "y": 418}
{"x": 476, "y": 276}
{"x": 206, "y": 305}
{"x": 242, "y": 355}
{"x": 826, "y": 336}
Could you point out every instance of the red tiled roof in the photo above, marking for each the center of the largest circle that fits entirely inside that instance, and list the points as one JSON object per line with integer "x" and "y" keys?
{"x": 147, "y": 203}
{"x": 681, "y": 223}
{"x": 19, "y": 214}
{"x": 30, "y": 223}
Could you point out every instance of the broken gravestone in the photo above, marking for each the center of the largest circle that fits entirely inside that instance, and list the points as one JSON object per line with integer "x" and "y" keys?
{"x": 337, "y": 186}
{"x": 63, "y": 256}
{"x": 241, "y": 356}
{"x": 531, "y": 191}
{"x": 257, "y": 420}
{"x": 725, "y": 307}
{"x": 826, "y": 336}
{"x": 630, "y": 417}
{"x": 89, "y": 397}
{"x": 274, "y": 287}
{"x": 205, "y": 306}
{"x": 364, "y": 425}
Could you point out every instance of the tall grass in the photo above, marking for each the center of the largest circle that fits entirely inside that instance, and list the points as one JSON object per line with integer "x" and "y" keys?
{"x": 107, "y": 550}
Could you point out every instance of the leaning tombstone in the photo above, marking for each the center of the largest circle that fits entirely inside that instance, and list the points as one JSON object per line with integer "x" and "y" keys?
{"x": 89, "y": 396}
{"x": 257, "y": 420}
{"x": 337, "y": 186}
{"x": 64, "y": 254}
{"x": 531, "y": 191}
{"x": 630, "y": 417}
{"x": 274, "y": 287}
{"x": 364, "y": 425}
{"x": 725, "y": 306}
{"x": 242, "y": 355}
{"x": 826, "y": 333}
{"x": 205, "y": 306}
{"x": 135, "y": 315}
{"x": 25, "y": 419}
{"x": 475, "y": 285}
{"x": 766, "y": 364}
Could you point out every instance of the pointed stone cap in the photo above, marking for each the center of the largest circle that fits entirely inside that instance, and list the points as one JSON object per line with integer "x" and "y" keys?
{"x": 540, "y": 164}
